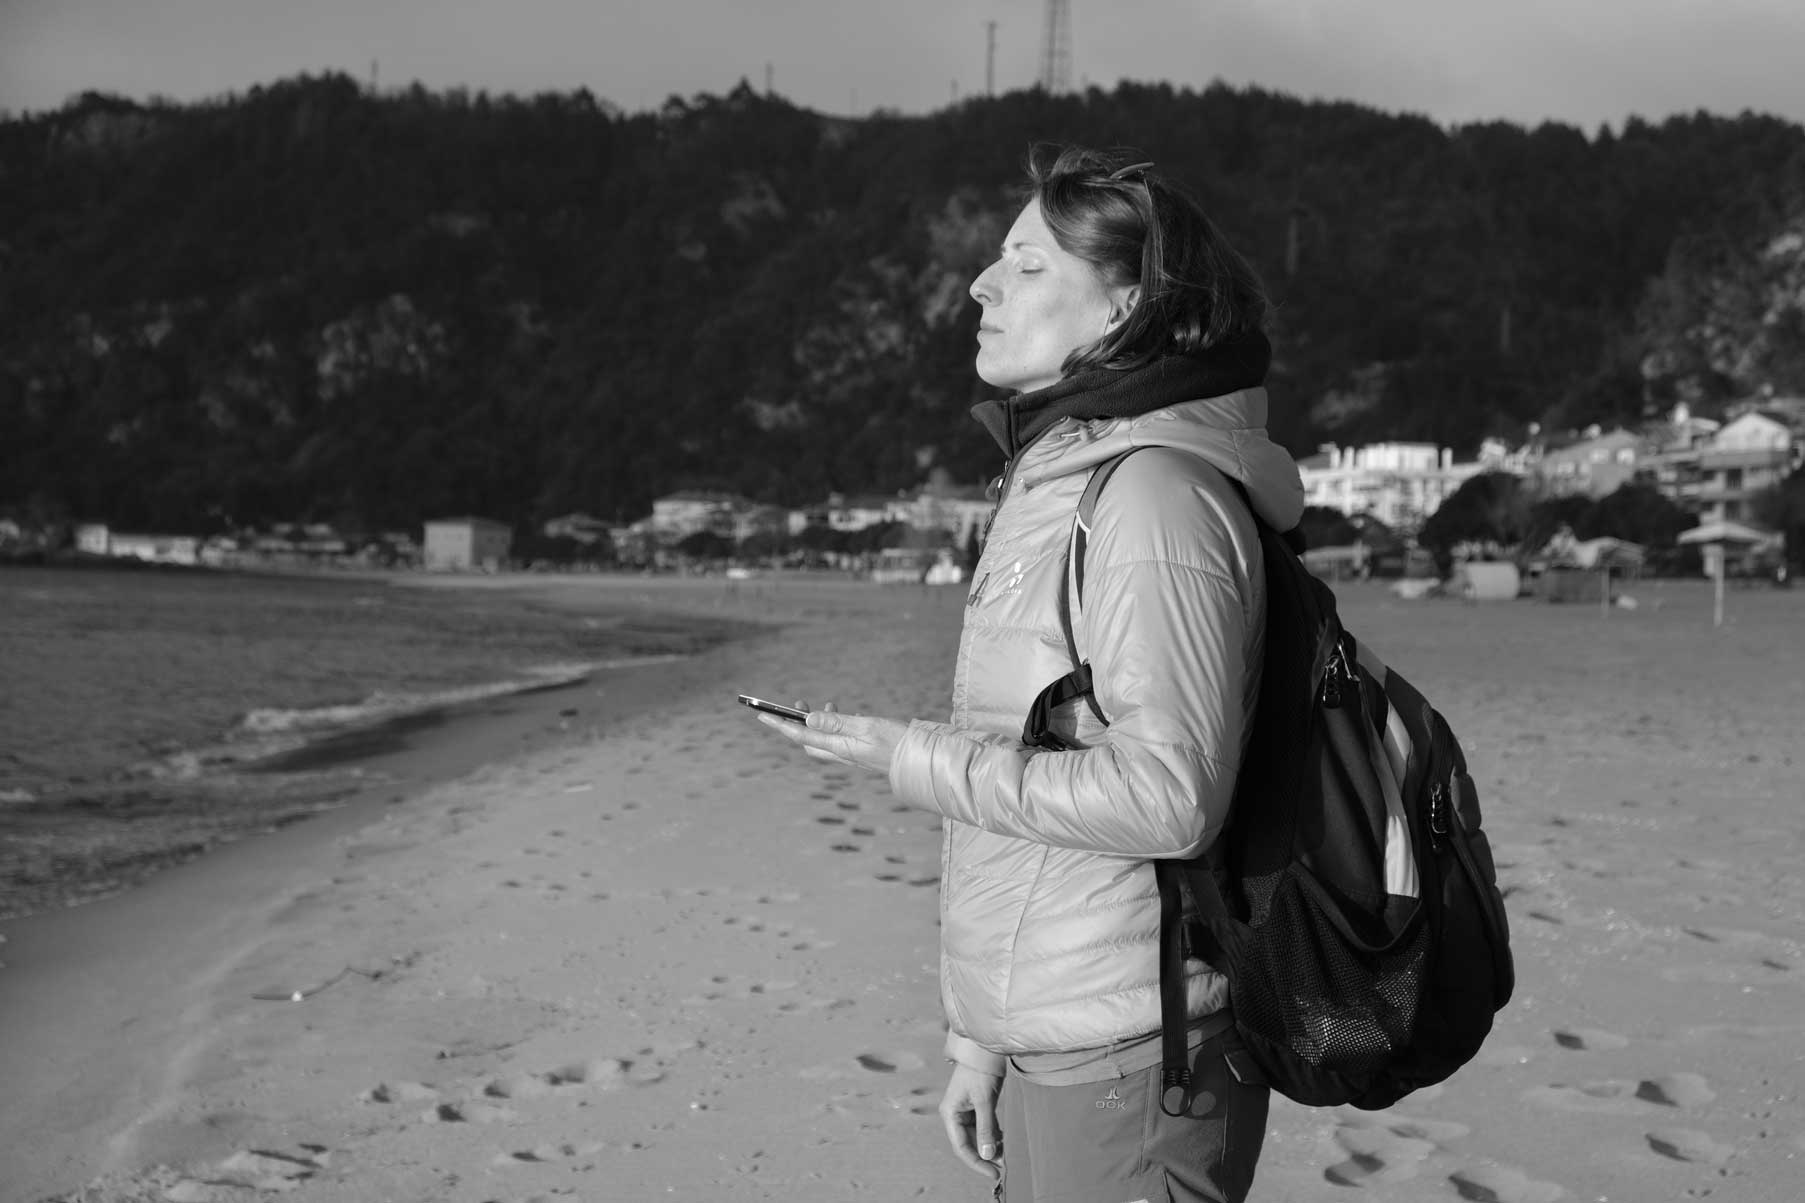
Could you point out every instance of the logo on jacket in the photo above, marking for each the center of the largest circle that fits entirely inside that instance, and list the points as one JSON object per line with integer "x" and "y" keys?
{"x": 1111, "y": 1101}
{"x": 1007, "y": 587}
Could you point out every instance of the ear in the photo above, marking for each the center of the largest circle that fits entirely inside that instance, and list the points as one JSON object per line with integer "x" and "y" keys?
{"x": 1122, "y": 300}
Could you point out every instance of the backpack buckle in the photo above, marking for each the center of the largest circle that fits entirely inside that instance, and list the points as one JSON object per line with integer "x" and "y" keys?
{"x": 1175, "y": 1092}
{"x": 1438, "y": 810}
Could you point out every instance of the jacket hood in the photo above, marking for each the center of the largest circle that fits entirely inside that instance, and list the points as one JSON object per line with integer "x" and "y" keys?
{"x": 1210, "y": 404}
{"x": 1228, "y": 432}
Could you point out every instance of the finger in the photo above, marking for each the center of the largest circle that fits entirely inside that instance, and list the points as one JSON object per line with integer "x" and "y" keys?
{"x": 959, "y": 1135}
{"x": 783, "y": 726}
{"x": 958, "y": 1122}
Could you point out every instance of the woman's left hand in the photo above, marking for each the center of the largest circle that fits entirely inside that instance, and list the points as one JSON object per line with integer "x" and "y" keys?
{"x": 855, "y": 739}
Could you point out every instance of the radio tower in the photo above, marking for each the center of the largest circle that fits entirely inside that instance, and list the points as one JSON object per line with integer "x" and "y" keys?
{"x": 1056, "y": 55}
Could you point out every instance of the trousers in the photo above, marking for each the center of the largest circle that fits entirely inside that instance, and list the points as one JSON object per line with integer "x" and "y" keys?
{"x": 1110, "y": 1141}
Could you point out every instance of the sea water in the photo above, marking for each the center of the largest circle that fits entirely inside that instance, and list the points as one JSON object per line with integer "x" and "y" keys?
{"x": 147, "y": 712}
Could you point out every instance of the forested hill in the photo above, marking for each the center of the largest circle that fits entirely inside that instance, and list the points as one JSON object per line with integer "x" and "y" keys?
{"x": 315, "y": 302}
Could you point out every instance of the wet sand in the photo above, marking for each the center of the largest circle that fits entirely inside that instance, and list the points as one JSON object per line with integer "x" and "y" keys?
{"x": 660, "y": 955}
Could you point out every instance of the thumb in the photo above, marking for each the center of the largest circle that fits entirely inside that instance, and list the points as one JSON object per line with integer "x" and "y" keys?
{"x": 986, "y": 1125}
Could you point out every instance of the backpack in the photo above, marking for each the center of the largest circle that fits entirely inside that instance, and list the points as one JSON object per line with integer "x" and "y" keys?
{"x": 1351, "y": 901}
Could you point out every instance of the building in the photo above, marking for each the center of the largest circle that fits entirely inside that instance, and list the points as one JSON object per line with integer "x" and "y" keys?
{"x": 578, "y": 528}
{"x": 1596, "y": 466}
{"x": 676, "y": 516}
{"x": 94, "y": 539}
{"x": 463, "y": 544}
{"x": 1716, "y": 476}
{"x": 960, "y": 510}
{"x": 1400, "y": 484}
{"x": 155, "y": 549}
{"x": 865, "y": 510}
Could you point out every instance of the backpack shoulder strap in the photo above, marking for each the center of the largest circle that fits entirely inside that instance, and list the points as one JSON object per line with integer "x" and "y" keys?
{"x": 1071, "y": 583}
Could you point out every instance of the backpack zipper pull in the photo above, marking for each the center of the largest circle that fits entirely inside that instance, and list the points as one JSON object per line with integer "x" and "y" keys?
{"x": 1438, "y": 814}
{"x": 1331, "y": 679}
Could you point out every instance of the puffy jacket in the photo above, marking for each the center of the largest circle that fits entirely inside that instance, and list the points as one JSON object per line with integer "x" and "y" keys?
{"x": 1049, "y": 910}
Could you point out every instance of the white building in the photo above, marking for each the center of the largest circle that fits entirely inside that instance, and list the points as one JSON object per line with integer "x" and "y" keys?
{"x": 155, "y": 549}
{"x": 678, "y": 515}
{"x": 1399, "y": 484}
{"x": 462, "y": 544}
{"x": 94, "y": 538}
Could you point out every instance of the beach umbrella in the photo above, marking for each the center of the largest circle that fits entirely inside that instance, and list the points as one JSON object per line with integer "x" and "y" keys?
{"x": 1721, "y": 533}
{"x": 1722, "y": 530}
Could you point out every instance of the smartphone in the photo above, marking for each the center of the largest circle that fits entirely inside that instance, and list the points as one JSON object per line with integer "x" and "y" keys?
{"x": 789, "y": 712}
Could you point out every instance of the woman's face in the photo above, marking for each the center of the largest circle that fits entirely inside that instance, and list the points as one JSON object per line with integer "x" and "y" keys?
{"x": 1041, "y": 303}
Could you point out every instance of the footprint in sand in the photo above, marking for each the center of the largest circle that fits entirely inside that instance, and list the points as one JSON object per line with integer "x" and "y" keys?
{"x": 472, "y": 1112}
{"x": 1380, "y": 1154}
{"x": 872, "y": 1062}
{"x": 1683, "y": 1144}
{"x": 1589, "y": 1038}
{"x": 1500, "y": 1184}
{"x": 818, "y": 1004}
{"x": 725, "y": 986}
{"x": 399, "y": 1092}
{"x": 1625, "y": 1098}
{"x": 1610, "y": 1097}
{"x": 1377, "y": 1157}
{"x": 541, "y": 1154}
{"x": 261, "y": 1170}
{"x": 1676, "y": 1090}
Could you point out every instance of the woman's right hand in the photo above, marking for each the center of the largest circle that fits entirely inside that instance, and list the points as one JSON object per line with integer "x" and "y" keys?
{"x": 969, "y": 1111}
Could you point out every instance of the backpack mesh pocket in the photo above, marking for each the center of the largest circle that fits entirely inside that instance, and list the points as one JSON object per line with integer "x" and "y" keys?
{"x": 1337, "y": 1008}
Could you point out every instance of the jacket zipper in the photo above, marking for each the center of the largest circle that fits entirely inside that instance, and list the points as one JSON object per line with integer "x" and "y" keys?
{"x": 1002, "y": 487}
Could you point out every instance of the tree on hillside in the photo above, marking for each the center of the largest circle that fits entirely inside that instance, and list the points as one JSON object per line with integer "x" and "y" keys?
{"x": 386, "y": 305}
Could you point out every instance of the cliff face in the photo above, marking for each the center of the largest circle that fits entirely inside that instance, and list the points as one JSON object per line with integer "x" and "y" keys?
{"x": 314, "y": 302}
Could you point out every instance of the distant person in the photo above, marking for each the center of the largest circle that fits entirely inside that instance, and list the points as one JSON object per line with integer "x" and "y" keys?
{"x": 1120, "y": 318}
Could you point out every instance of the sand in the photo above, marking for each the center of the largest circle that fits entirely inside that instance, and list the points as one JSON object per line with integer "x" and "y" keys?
{"x": 664, "y": 956}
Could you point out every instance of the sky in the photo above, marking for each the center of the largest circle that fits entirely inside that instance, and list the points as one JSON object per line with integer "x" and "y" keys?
{"x": 1585, "y": 63}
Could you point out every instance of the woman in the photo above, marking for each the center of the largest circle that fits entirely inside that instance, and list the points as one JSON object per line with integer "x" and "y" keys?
{"x": 1121, "y": 319}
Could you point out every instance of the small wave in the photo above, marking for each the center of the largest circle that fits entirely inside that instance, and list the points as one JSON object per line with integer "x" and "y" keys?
{"x": 383, "y": 704}
{"x": 269, "y": 732}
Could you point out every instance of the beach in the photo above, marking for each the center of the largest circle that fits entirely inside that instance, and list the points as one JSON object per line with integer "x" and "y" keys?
{"x": 652, "y": 952}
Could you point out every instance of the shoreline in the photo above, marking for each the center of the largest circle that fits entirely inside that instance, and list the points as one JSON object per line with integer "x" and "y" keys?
{"x": 73, "y": 841}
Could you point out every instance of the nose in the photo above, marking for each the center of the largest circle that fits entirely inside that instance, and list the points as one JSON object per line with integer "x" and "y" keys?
{"x": 983, "y": 290}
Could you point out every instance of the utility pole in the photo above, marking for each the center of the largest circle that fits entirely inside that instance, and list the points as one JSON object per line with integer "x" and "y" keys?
{"x": 1056, "y": 53}
{"x": 990, "y": 58}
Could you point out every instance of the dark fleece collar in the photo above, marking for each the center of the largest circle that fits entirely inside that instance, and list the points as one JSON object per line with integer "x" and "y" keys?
{"x": 1015, "y": 422}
